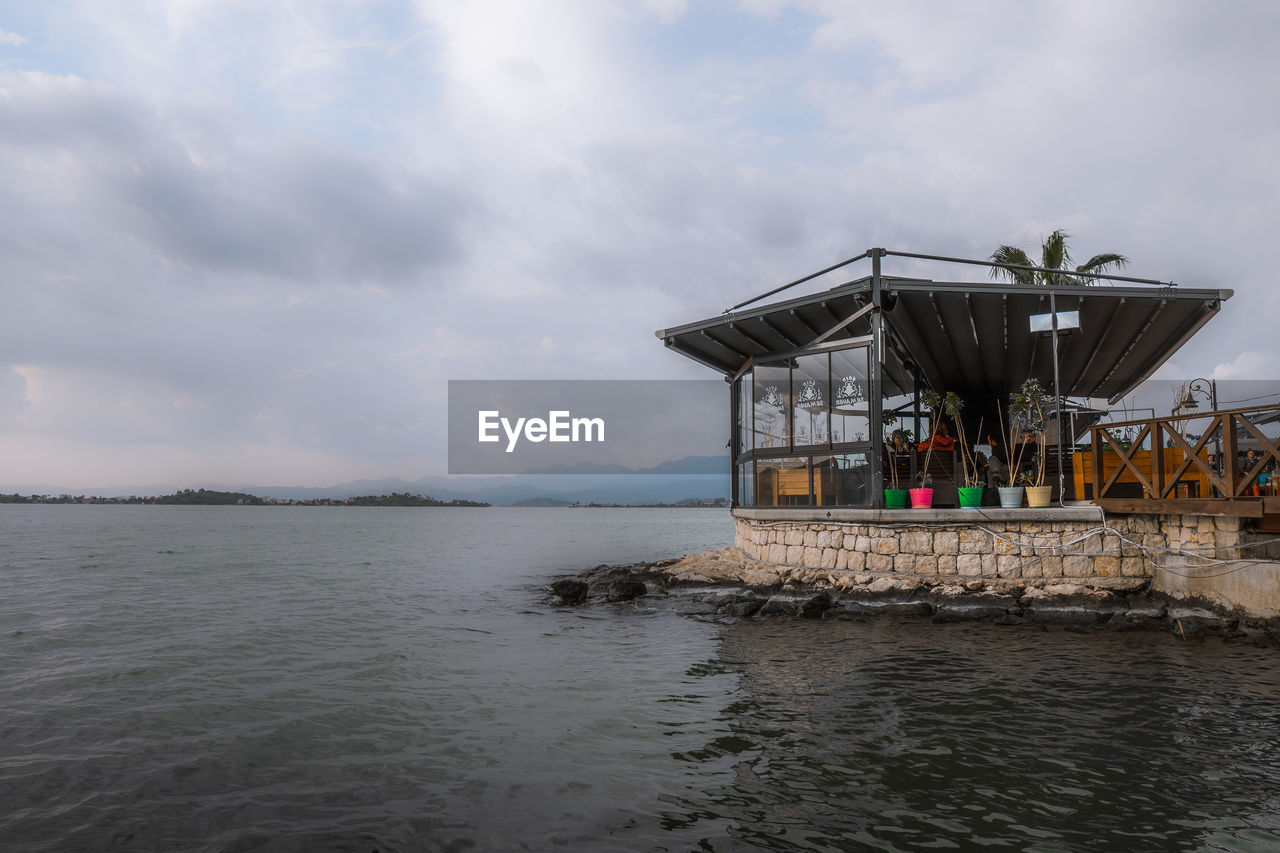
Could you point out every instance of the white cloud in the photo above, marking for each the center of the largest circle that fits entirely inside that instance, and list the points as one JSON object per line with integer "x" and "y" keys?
{"x": 230, "y": 225}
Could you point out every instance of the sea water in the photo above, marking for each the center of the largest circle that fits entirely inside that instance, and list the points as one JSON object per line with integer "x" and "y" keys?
{"x": 294, "y": 678}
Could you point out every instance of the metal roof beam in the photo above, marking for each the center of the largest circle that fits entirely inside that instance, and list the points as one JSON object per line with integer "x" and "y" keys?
{"x": 751, "y": 339}
{"x": 780, "y": 332}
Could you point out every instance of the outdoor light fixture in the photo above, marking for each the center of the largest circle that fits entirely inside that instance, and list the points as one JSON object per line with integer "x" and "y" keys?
{"x": 1207, "y": 387}
{"x": 1066, "y": 320}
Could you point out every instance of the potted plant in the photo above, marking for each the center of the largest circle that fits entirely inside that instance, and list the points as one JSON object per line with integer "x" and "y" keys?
{"x": 922, "y": 494}
{"x": 895, "y": 442}
{"x": 1011, "y": 493}
{"x": 971, "y": 492}
{"x": 1028, "y": 411}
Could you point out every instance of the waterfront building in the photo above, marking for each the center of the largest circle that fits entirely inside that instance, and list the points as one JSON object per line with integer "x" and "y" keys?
{"x": 819, "y": 382}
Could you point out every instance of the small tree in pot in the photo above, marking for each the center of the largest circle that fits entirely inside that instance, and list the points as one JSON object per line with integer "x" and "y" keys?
{"x": 1028, "y": 414}
{"x": 896, "y": 442}
{"x": 971, "y": 491}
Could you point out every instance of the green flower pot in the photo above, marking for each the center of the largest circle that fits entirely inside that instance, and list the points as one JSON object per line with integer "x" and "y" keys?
{"x": 895, "y": 498}
{"x": 970, "y": 497}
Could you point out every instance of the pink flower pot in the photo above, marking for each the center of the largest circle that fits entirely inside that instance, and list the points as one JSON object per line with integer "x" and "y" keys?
{"x": 921, "y": 498}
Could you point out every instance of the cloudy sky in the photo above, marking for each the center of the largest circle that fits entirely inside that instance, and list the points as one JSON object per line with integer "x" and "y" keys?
{"x": 250, "y": 242}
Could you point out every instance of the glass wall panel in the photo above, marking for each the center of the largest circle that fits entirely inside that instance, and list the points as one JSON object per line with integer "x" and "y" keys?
{"x": 810, "y": 397}
{"x": 746, "y": 484}
{"x": 841, "y": 480}
{"x": 769, "y": 394}
{"x": 783, "y": 482}
{"x": 744, "y": 413}
{"x": 850, "y": 420}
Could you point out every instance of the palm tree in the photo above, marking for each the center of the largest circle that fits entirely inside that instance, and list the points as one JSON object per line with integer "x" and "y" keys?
{"x": 1054, "y": 256}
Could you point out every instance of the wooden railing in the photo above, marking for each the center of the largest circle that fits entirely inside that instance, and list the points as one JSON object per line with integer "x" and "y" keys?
{"x": 1160, "y": 459}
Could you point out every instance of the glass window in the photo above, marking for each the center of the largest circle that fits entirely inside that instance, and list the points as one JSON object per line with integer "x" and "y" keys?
{"x": 850, "y": 473}
{"x": 850, "y": 420}
{"x": 783, "y": 482}
{"x": 810, "y": 396}
{"x": 744, "y": 413}
{"x": 769, "y": 394}
{"x": 746, "y": 484}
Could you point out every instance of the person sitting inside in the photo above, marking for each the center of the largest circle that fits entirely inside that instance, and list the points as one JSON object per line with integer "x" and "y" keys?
{"x": 997, "y": 466}
{"x": 940, "y": 440}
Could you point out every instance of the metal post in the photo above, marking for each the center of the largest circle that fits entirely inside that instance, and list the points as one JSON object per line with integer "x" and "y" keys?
{"x": 1057, "y": 394}
{"x": 875, "y": 404}
{"x": 735, "y": 447}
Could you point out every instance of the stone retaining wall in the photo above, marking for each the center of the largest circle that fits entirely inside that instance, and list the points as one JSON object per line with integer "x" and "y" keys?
{"x": 1030, "y": 547}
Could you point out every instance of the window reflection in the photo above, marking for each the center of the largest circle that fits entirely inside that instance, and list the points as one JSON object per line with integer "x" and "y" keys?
{"x": 746, "y": 484}
{"x": 769, "y": 394}
{"x": 811, "y": 395}
{"x": 783, "y": 482}
{"x": 850, "y": 419}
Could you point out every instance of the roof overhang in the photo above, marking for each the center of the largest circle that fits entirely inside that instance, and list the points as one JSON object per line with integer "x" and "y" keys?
{"x": 975, "y": 338}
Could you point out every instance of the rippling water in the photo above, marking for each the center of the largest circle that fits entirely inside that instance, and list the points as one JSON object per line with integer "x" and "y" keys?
{"x": 189, "y": 678}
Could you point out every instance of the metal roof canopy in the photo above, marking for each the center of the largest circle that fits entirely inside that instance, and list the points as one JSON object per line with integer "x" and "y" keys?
{"x": 974, "y": 338}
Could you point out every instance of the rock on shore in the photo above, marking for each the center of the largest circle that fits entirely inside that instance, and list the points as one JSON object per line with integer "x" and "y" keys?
{"x": 727, "y": 583}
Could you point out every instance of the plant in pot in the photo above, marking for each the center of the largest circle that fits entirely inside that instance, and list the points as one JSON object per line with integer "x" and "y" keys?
{"x": 895, "y": 442}
{"x": 1028, "y": 411}
{"x": 971, "y": 491}
{"x": 922, "y": 494}
{"x": 1011, "y": 493}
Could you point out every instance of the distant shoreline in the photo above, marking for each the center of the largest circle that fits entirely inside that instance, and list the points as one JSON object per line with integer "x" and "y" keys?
{"x": 203, "y": 497}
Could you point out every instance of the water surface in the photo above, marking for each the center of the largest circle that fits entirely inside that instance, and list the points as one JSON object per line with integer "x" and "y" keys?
{"x": 245, "y": 678}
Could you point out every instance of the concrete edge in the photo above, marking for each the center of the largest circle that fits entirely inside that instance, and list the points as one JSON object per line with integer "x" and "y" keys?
{"x": 976, "y": 515}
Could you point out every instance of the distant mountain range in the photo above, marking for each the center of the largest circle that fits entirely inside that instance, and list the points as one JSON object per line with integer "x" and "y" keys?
{"x": 649, "y": 485}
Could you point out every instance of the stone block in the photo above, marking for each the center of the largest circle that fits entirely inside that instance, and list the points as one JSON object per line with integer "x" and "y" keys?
{"x": 828, "y": 560}
{"x": 777, "y": 553}
{"x": 1050, "y": 567}
{"x": 855, "y": 561}
{"x": 863, "y": 544}
{"x": 946, "y": 564}
{"x": 812, "y": 556}
{"x": 794, "y": 536}
{"x": 795, "y": 554}
{"x": 823, "y": 539}
{"x": 879, "y": 563}
{"x": 1076, "y": 566}
{"x": 926, "y": 564}
{"x": 974, "y": 542}
{"x": 810, "y": 538}
{"x": 969, "y": 564}
{"x": 1009, "y": 566}
{"x": 916, "y": 542}
{"x": 1005, "y": 547}
{"x": 851, "y": 542}
{"x": 904, "y": 563}
{"x": 1106, "y": 566}
{"x": 884, "y": 545}
{"x": 1133, "y": 567}
{"x": 946, "y": 542}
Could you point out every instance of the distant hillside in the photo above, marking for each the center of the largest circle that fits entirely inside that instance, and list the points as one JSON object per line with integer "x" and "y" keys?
{"x": 541, "y": 502}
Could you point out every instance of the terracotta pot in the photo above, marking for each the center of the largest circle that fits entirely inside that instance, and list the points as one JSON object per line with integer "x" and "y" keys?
{"x": 1038, "y": 496}
{"x": 921, "y": 498}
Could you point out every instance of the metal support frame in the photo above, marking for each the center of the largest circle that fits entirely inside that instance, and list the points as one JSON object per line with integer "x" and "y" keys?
{"x": 875, "y": 402}
{"x": 1057, "y": 400}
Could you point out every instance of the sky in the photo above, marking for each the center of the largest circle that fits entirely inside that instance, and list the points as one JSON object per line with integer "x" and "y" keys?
{"x": 247, "y": 242}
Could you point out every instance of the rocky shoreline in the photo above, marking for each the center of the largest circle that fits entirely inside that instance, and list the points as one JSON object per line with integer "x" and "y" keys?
{"x": 727, "y": 583}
